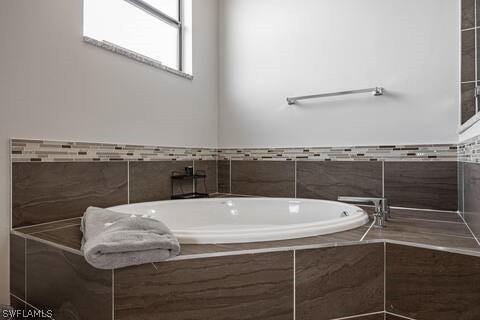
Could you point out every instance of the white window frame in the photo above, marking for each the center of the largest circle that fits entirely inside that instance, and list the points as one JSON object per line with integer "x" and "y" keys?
{"x": 177, "y": 23}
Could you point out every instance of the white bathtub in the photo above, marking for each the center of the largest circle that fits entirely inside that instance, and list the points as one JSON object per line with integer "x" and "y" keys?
{"x": 238, "y": 220}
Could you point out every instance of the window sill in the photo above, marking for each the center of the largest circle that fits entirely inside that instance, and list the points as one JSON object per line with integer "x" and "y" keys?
{"x": 135, "y": 56}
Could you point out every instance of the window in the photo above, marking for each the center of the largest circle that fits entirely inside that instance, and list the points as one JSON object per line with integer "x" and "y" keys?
{"x": 152, "y": 28}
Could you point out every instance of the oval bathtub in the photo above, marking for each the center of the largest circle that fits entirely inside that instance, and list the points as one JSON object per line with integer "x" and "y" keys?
{"x": 238, "y": 220}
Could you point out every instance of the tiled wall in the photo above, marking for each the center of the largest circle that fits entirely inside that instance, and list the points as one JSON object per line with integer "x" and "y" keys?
{"x": 302, "y": 284}
{"x": 54, "y": 180}
{"x": 57, "y": 180}
{"x": 411, "y": 184}
{"x": 431, "y": 285}
{"x": 469, "y": 177}
{"x": 470, "y": 60}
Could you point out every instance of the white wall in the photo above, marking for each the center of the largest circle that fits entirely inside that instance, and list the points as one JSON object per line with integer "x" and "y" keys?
{"x": 270, "y": 49}
{"x": 54, "y": 86}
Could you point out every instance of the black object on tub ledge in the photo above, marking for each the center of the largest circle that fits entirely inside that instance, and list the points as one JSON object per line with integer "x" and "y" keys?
{"x": 177, "y": 182}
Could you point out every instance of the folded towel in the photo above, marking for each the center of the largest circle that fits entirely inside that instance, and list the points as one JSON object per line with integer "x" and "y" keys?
{"x": 113, "y": 240}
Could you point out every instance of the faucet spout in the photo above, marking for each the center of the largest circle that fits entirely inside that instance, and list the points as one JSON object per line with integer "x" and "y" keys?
{"x": 382, "y": 209}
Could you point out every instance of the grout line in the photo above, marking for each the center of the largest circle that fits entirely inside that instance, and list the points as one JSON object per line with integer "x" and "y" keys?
{"x": 468, "y": 227}
{"x": 468, "y": 29}
{"x": 422, "y": 209}
{"x": 295, "y": 168}
{"x": 476, "y": 54}
{"x": 383, "y": 179}
{"x": 25, "y": 268}
{"x": 22, "y": 300}
{"x": 359, "y": 315}
{"x": 425, "y": 220}
{"x": 48, "y": 242}
{"x": 45, "y": 223}
{"x": 128, "y": 182}
{"x": 463, "y": 190}
{"x": 385, "y": 276}
{"x": 113, "y": 294}
{"x": 368, "y": 230}
{"x": 397, "y": 315}
{"x": 54, "y": 229}
{"x": 193, "y": 180}
{"x": 230, "y": 177}
{"x": 294, "y": 284}
{"x": 10, "y": 178}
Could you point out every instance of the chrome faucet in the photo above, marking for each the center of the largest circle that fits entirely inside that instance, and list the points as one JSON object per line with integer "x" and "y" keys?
{"x": 382, "y": 210}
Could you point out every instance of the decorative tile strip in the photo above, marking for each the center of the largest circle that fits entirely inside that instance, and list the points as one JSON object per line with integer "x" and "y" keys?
{"x": 440, "y": 152}
{"x": 469, "y": 150}
{"x": 59, "y": 151}
{"x": 135, "y": 56}
{"x": 53, "y": 151}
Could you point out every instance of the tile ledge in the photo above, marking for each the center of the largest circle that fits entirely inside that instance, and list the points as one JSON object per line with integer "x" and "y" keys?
{"x": 274, "y": 249}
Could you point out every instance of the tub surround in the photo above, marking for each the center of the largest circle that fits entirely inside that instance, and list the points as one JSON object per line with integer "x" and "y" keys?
{"x": 432, "y": 229}
{"x": 469, "y": 182}
{"x": 279, "y": 279}
{"x": 345, "y": 268}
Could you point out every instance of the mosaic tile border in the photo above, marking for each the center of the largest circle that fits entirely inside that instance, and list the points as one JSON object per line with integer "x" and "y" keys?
{"x": 23, "y": 150}
{"x": 135, "y": 56}
{"x": 58, "y": 151}
{"x": 440, "y": 152}
{"x": 469, "y": 150}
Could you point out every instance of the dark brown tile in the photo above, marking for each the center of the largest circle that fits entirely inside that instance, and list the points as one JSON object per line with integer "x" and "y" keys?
{"x": 246, "y": 287}
{"x": 376, "y": 316}
{"x": 336, "y": 238}
{"x": 224, "y": 176}
{"x": 468, "y": 56}
{"x": 263, "y": 178}
{"x": 17, "y": 304}
{"x": 478, "y": 54}
{"x": 432, "y": 285}
{"x": 478, "y": 12}
{"x": 328, "y": 180}
{"x": 441, "y": 234}
{"x": 460, "y": 181}
{"x": 468, "y": 14}
{"x": 210, "y": 169}
{"x": 437, "y": 239}
{"x": 66, "y": 284}
{"x": 17, "y": 266}
{"x": 49, "y": 226}
{"x": 468, "y": 102}
{"x": 340, "y": 281}
{"x": 472, "y": 196}
{"x": 44, "y": 192}
{"x": 425, "y": 185}
{"x": 428, "y": 226}
{"x": 389, "y": 316}
{"x": 150, "y": 181}
{"x": 70, "y": 237}
{"x": 438, "y": 216}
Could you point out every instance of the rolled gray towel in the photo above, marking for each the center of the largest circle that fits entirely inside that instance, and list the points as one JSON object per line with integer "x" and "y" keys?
{"x": 113, "y": 240}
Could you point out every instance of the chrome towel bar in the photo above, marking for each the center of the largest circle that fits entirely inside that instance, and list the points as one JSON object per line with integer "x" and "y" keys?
{"x": 377, "y": 91}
